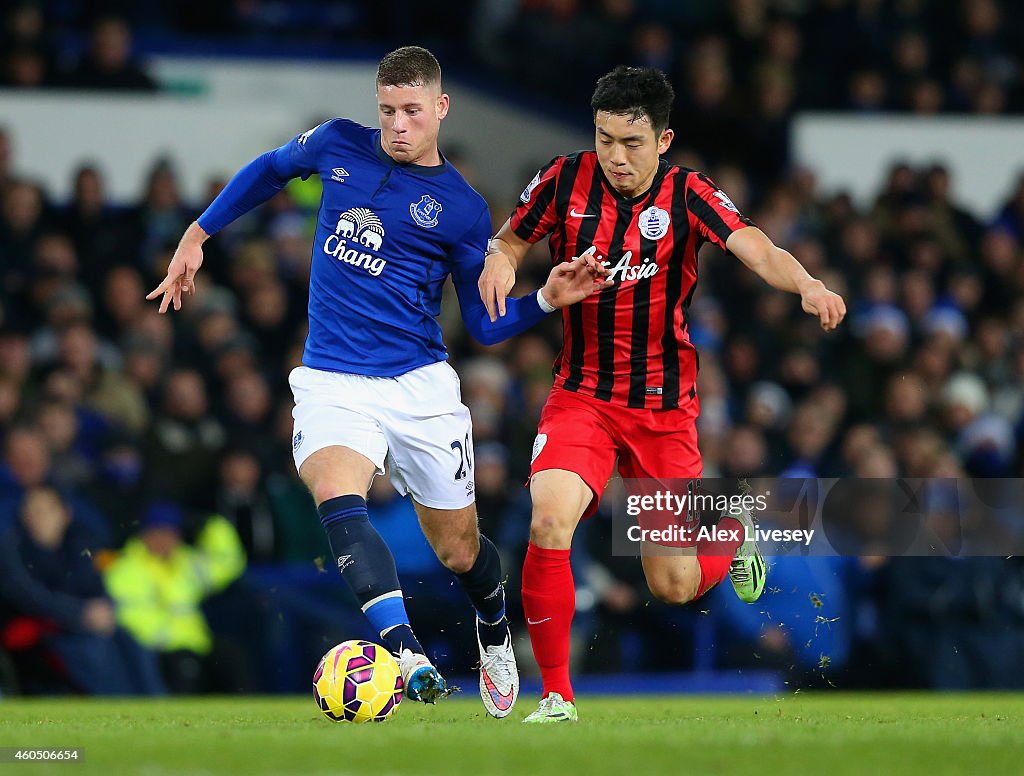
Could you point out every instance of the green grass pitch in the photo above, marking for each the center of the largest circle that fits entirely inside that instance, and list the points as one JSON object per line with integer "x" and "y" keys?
{"x": 831, "y": 733}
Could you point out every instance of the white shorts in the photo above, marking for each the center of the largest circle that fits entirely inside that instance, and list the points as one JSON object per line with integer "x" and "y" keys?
{"x": 416, "y": 422}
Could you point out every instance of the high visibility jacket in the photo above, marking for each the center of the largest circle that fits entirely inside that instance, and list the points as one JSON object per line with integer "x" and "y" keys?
{"x": 158, "y": 599}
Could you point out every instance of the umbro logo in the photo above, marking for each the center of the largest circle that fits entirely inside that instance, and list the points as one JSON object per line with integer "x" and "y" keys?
{"x": 339, "y": 174}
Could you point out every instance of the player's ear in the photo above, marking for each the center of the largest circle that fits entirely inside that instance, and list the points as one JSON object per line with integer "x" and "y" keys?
{"x": 443, "y": 103}
{"x": 665, "y": 140}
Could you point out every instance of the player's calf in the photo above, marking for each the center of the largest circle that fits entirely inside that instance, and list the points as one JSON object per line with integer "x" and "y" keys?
{"x": 673, "y": 579}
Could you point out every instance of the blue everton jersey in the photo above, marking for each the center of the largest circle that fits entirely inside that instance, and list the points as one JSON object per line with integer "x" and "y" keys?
{"x": 388, "y": 235}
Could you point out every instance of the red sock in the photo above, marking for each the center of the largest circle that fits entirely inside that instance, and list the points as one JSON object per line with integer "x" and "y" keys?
{"x": 715, "y": 557}
{"x": 549, "y": 602}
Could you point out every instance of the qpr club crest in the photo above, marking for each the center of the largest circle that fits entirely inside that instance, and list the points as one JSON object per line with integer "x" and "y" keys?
{"x": 654, "y": 223}
{"x": 424, "y": 212}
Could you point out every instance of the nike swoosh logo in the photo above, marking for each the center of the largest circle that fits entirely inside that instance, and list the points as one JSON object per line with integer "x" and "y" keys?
{"x": 536, "y": 622}
{"x": 574, "y": 214}
{"x": 502, "y": 701}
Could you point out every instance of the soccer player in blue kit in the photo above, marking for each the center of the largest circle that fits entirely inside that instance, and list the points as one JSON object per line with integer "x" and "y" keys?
{"x": 395, "y": 221}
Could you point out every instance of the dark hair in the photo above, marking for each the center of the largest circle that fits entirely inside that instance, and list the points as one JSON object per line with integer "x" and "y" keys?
{"x": 408, "y": 66}
{"x": 636, "y": 92}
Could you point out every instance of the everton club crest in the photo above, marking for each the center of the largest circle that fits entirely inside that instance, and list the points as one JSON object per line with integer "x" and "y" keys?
{"x": 424, "y": 212}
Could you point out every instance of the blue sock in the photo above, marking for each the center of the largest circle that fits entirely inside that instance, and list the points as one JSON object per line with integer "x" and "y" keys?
{"x": 367, "y": 565}
{"x": 482, "y": 584}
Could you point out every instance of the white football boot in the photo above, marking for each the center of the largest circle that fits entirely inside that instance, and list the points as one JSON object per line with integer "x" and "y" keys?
{"x": 499, "y": 676}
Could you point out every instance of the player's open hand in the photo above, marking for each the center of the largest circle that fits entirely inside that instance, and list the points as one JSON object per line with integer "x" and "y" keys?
{"x": 181, "y": 272}
{"x": 495, "y": 282}
{"x": 573, "y": 281}
{"x": 830, "y": 308}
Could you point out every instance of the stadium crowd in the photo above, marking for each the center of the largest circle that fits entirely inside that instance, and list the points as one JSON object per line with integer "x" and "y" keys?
{"x": 743, "y": 66}
{"x": 145, "y": 462}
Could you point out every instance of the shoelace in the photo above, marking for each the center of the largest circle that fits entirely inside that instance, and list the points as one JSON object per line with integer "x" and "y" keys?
{"x": 739, "y": 570}
{"x": 407, "y": 665}
{"x": 547, "y": 704}
{"x": 495, "y": 666}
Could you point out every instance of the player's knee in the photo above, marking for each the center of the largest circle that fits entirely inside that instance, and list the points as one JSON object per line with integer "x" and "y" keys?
{"x": 674, "y": 589}
{"x": 548, "y": 529}
{"x": 325, "y": 492}
{"x": 458, "y": 558}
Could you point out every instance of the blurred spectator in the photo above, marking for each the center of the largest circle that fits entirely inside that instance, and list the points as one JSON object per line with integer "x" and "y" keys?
{"x": 885, "y": 334}
{"x": 184, "y": 441}
{"x": 155, "y": 225}
{"x": 72, "y": 467}
{"x": 29, "y": 50}
{"x": 242, "y": 501}
{"x": 108, "y": 64}
{"x": 124, "y": 302}
{"x": 104, "y": 388}
{"x": 25, "y": 68}
{"x": 21, "y": 224}
{"x": 704, "y": 103}
{"x": 956, "y": 229}
{"x": 158, "y": 583}
{"x": 26, "y": 465}
{"x": 247, "y": 414}
{"x": 54, "y": 599}
{"x": 93, "y": 226}
{"x": 1011, "y": 217}
{"x": 268, "y": 314}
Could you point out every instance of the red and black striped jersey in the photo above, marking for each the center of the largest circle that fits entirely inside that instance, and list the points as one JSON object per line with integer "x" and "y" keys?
{"x": 629, "y": 344}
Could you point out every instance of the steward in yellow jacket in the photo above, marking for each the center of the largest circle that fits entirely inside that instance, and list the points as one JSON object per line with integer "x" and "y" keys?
{"x": 158, "y": 582}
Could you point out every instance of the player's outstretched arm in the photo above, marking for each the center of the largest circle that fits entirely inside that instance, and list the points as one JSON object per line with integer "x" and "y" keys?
{"x": 779, "y": 269}
{"x": 567, "y": 283}
{"x": 250, "y": 187}
{"x": 181, "y": 272}
{"x": 504, "y": 253}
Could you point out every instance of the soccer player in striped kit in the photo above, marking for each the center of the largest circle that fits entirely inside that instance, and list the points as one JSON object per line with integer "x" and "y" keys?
{"x": 625, "y": 379}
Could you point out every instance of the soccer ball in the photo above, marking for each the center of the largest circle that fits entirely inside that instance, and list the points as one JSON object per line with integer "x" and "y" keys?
{"x": 357, "y": 681}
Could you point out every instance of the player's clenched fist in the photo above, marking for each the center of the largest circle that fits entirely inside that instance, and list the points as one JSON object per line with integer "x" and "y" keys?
{"x": 827, "y": 305}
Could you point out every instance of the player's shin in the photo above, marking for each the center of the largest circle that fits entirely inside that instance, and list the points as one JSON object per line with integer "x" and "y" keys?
{"x": 368, "y": 567}
{"x": 549, "y": 602}
{"x": 482, "y": 584}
